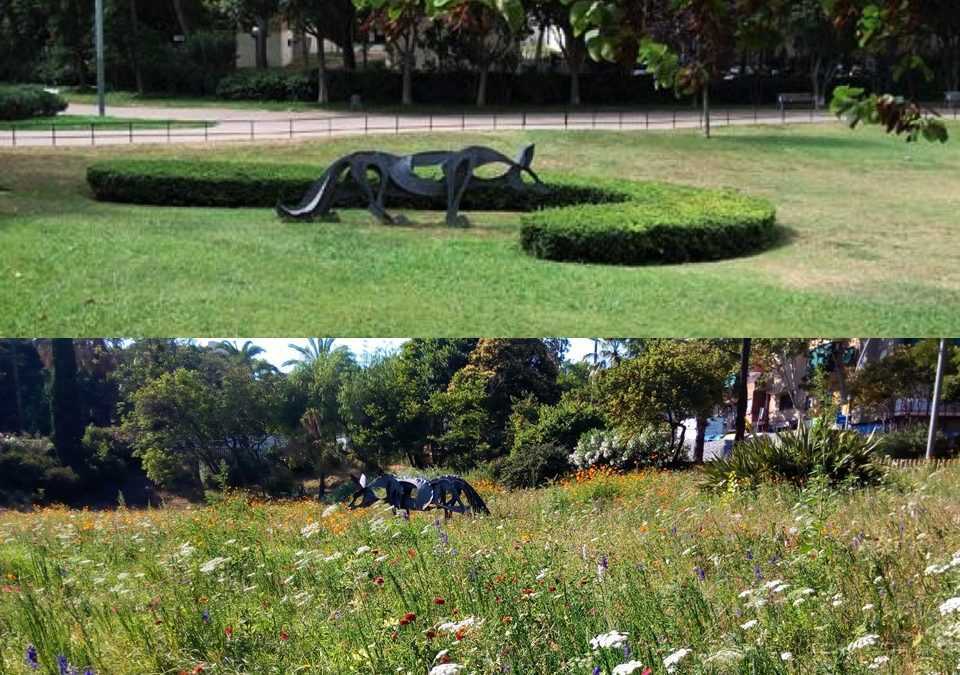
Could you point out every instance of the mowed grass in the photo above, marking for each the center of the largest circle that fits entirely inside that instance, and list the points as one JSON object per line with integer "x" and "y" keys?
{"x": 778, "y": 582}
{"x": 86, "y": 121}
{"x": 869, "y": 246}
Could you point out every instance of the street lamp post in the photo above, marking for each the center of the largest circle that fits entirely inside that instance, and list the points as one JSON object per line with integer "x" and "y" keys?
{"x": 101, "y": 75}
{"x": 935, "y": 404}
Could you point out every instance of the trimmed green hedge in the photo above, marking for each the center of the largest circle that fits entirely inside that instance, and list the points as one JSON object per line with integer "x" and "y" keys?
{"x": 575, "y": 219}
{"x": 20, "y": 102}
{"x": 232, "y": 184}
{"x": 660, "y": 223}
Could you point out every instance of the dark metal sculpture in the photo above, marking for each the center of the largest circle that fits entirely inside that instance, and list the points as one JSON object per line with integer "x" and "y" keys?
{"x": 450, "y": 493}
{"x": 394, "y": 173}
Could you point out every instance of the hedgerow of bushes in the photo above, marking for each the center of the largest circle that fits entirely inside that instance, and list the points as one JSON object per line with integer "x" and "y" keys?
{"x": 660, "y": 223}
{"x": 232, "y": 184}
{"x": 20, "y": 102}
{"x": 573, "y": 219}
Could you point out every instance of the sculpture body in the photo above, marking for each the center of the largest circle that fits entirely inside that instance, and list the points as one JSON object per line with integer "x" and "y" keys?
{"x": 450, "y": 493}
{"x": 395, "y": 172}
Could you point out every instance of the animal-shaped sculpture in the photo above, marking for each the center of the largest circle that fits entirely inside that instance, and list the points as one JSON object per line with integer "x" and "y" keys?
{"x": 395, "y": 173}
{"x": 450, "y": 493}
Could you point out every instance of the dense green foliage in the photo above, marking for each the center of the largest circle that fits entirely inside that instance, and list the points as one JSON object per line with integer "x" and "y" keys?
{"x": 660, "y": 224}
{"x": 835, "y": 456}
{"x": 234, "y": 184}
{"x": 22, "y": 102}
{"x": 910, "y": 443}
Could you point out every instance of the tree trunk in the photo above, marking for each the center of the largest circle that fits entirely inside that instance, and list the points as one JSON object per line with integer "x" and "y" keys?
{"x": 538, "y": 58}
{"x": 701, "y": 439}
{"x": 305, "y": 48}
{"x": 15, "y": 373}
{"x": 135, "y": 46}
{"x": 575, "y": 84}
{"x": 181, "y": 17}
{"x": 741, "y": 423}
{"x": 349, "y": 56}
{"x": 323, "y": 96}
{"x": 407, "y": 95}
{"x": 816, "y": 64}
{"x": 322, "y": 488}
{"x": 263, "y": 27}
{"x": 706, "y": 110}
{"x": 65, "y": 409}
{"x": 482, "y": 85}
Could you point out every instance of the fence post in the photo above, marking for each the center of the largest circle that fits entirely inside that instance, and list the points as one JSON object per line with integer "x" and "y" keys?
{"x": 431, "y": 121}
{"x": 728, "y": 117}
{"x": 756, "y": 114}
{"x": 206, "y": 132}
{"x": 291, "y": 128}
{"x": 130, "y": 131}
{"x": 674, "y": 118}
{"x": 168, "y": 131}
{"x": 253, "y": 134}
{"x": 93, "y": 140}
{"x": 523, "y": 120}
{"x": 566, "y": 119}
{"x": 13, "y": 134}
{"x": 366, "y": 123}
{"x": 494, "y": 121}
{"x": 594, "y": 122}
{"x": 783, "y": 115}
{"x": 646, "y": 116}
{"x": 396, "y": 123}
{"x": 53, "y": 134}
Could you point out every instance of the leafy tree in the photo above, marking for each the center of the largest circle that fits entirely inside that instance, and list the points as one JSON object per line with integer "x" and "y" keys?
{"x": 332, "y": 20}
{"x": 401, "y": 22}
{"x": 667, "y": 383}
{"x": 556, "y": 13}
{"x": 22, "y": 384}
{"x": 257, "y": 13}
{"x": 469, "y": 432}
{"x": 184, "y": 426}
{"x": 786, "y": 359}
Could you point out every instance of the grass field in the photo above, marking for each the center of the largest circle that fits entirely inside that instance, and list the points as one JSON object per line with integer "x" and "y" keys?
{"x": 778, "y": 582}
{"x": 869, "y": 248}
{"x": 85, "y": 121}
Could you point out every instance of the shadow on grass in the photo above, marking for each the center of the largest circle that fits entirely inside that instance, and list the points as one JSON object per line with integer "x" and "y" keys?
{"x": 854, "y": 141}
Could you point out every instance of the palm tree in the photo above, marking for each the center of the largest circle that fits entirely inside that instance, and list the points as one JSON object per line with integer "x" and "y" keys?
{"x": 606, "y": 352}
{"x": 246, "y": 354}
{"x": 315, "y": 348}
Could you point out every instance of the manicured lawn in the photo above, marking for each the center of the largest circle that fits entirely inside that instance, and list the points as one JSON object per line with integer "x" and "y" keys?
{"x": 74, "y": 121}
{"x": 783, "y": 582}
{"x": 870, "y": 248}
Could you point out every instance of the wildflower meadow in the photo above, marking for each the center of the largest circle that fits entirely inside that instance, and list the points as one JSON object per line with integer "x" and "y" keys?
{"x": 605, "y": 573}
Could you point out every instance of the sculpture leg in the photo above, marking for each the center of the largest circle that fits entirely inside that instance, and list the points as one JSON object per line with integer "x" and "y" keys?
{"x": 374, "y": 204}
{"x": 457, "y": 174}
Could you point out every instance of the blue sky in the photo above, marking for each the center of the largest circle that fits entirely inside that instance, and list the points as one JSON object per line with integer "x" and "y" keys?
{"x": 277, "y": 350}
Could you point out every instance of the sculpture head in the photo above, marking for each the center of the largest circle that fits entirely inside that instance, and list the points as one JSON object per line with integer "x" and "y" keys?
{"x": 363, "y": 496}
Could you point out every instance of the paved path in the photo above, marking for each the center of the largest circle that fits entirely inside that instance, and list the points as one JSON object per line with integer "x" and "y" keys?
{"x": 266, "y": 125}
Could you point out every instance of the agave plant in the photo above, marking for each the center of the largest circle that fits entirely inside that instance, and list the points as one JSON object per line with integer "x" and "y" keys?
{"x": 839, "y": 456}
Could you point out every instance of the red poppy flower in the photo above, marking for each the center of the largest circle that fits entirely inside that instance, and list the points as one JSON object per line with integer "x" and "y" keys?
{"x": 284, "y": 636}
{"x": 378, "y": 581}
{"x": 438, "y": 601}
{"x": 228, "y": 631}
{"x": 431, "y": 634}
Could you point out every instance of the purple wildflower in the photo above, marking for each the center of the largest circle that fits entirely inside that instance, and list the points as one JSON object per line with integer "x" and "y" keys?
{"x": 31, "y": 657}
{"x": 757, "y": 573}
{"x": 701, "y": 573}
{"x": 626, "y": 651}
{"x": 205, "y": 615}
{"x": 596, "y": 670}
{"x": 749, "y": 554}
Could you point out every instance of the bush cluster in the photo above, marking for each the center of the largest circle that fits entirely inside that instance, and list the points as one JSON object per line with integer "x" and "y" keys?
{"x": 660, "y": 223}
{"x": 601, "y": 84}
{"x": 653, "y": 446}
{"x": 838, "y": 457}
{"x": 20, "y": 102}
{"x": 911, "y": 443}
{"x": 30, "y": 472}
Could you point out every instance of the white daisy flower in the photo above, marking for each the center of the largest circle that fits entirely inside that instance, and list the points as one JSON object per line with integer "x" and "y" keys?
{"x": 673, "y": 660}
{"x": 612, "y": 640}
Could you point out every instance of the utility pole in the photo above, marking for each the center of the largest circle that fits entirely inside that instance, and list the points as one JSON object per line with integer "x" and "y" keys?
{"x": 101, "y": 74}
{"x": 741, "y": 424}
{"x": 935, "y": 403}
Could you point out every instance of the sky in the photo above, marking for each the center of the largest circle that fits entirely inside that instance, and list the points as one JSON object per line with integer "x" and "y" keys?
{"x": 278, "y": 351}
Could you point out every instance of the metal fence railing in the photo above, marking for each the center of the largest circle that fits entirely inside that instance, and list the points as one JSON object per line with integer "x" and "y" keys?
{"x": 273, "y": 128}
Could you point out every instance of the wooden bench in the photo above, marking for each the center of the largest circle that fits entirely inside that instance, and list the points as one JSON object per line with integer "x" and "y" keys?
{"x": 951, "y": 99}
{"x": 784, "y": 100}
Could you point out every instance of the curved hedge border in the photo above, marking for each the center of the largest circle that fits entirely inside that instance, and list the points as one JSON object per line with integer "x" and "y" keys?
{"x": 659, "y": 223}
{"x": 576, "y": 219}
